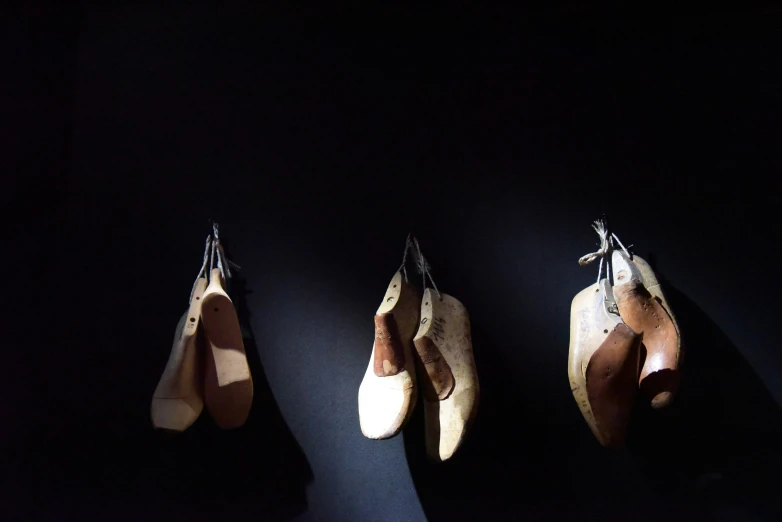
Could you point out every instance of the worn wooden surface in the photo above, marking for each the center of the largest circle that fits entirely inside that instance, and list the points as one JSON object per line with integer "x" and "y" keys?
{"x": 655, "y": 288}
{"x": 611, "y": 381}
{"x": 446, "y": 323}
{"x": 177, "y": 401}
{"x": 389, "y": 351}
{"x": 439, "y": 381}
{"x": 386, "y": 402}
{"x": 604, "y": 400}
{"x": 648, "y": 314}
{"x": 228, "y": 385}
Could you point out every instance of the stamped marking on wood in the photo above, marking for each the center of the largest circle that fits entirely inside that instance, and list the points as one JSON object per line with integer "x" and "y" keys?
{"x": 445, "y": 340}
{"x": 438, "y": 328}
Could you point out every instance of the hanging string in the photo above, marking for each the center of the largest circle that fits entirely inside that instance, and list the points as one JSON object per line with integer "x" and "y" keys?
{"x": 606, "y": 247}
{"x": 602, "y": 231}
{"x": 604, "y": 252}
{"x": 218, "y": 255}
{"x": 614, "y": 236}
{"x": 214, "y": 254}
{"x": 403, "y": 268}
{"x": 225, "y": 272}
{"x": 231, "y": 263}
{"x": 207, "y": 247}
{"x": 423, "y": 268}
{"x": 212, "y": 258}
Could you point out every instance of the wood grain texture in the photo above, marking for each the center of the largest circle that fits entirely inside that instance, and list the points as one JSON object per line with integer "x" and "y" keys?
{"x": 660, "y": 341}
{"x": 386, "y": 403}
{"x": 446, "y": 323}
{"x": 655, "y": 288}
{"x": 439, "y": 381}
{"x": 644, "y": 308}
{"x": 177, "y": 401}
{"x": 611, "y": 381}
{"x": 228, "y": 385}
{"x": 606, "y": 401}
{"x": 389, "y": 354}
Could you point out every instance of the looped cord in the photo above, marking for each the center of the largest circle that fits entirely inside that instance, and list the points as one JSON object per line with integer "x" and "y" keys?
{"x": 225, "y": 270}
{"x": 207, "y": 248}
{"x": 216, "y": 255}
{"x": 424, "y": 268}
{"x": 212, "y": 258}
{"x": 605, "y": 244}
{"x": 606, "y": 247}
{"x": 403, "y": 268}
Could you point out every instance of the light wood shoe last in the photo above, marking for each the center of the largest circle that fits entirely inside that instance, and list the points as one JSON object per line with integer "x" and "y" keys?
{"x": 387, "y": 394}
{"x": 446, "y": 372}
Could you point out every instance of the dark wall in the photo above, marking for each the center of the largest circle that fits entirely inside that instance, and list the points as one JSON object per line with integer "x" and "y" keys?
{"x": 318, "y": 145}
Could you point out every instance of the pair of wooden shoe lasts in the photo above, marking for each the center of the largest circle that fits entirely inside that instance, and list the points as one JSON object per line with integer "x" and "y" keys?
{"x": 209, "y": 367}
{"x": 623, "y": 338}
{"x": 427, "y": 343}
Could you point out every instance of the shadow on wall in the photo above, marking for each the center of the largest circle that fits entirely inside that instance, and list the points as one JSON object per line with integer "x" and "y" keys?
{"x": 110, "y": 464}
{"x": 257, "y": 472}
{"x": 720, "y": 440}
{"x": 273, "y": 470}
{"x": 714, "y": 453}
